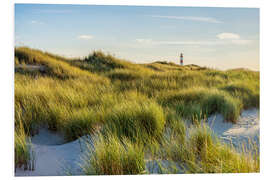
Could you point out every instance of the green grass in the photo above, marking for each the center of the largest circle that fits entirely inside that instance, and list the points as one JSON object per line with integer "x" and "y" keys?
{"x": 186, "y": 150}
{"x": 101, "y": 62}
{"x": 202, "y": 152}
{"x": 137, "y": 103}
{"x": 23, "y": 152}
{"x": 114, "y": 157}
{"x": 53, "y": 67}
{"x": 248, "y": 93}
{"x": 136, "y": 120}
{"x": 193, "y": 103}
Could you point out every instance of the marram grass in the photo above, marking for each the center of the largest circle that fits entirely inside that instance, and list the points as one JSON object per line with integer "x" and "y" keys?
{"x": 137, "y": 103}
{"x": 113, "y": 157}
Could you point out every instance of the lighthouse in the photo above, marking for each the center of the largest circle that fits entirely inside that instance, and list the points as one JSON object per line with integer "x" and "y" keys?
{"x": 181, "y": 59}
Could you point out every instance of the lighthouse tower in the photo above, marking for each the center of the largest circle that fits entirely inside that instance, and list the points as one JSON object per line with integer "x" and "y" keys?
{"x": 181, "y": 59}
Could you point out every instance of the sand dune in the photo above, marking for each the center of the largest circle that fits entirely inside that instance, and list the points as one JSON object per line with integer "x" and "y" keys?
{"x": 55, "y": 158}
{"x": 246, "y": 128}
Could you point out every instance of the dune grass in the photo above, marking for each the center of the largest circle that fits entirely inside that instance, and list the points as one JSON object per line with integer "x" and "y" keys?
{"x": 181, "y": 150}
{"x": 248, "y": 93}
{"x": 137, "y": 103}
{"x": 53, "y": 67}
{"x": 193, "y": 103}
{"x": 24, "y": 157}
{"x": 114, "y": 157}
{"x": 100, "y": 62}
{"x": 202, "y": 152}
{"x": 55, "y": 103}
{"x": 136, "y": 120}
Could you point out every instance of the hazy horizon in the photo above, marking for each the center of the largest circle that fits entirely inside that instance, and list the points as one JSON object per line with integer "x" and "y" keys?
{"x": 222, "y": 38}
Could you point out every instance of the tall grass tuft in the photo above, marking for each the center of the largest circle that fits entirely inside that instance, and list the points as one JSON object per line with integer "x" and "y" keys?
{"x": 247, "y": 92}
{"x": 193, "y": 103}
{"x": 114, "y": 157}
{"x": 80, "y": 122}
{"x": 143, "y": 120}
{"x": 23, "y": 153}
{"x": 202, "y": 152}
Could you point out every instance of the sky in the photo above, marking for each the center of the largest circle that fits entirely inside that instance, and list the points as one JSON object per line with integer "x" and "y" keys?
{"x": 221, "y": 38}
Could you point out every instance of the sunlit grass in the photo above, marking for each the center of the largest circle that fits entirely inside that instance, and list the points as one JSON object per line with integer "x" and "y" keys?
{"x": 136, "y": 107}
{"x": 24, "y": 157}
{"x": 136, "y": 120}
{"x": 113, "y": 157}
{"x": 202, "y": 152}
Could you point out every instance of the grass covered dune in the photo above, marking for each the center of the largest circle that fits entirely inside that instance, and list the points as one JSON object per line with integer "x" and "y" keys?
{"x": 131, "y": 107}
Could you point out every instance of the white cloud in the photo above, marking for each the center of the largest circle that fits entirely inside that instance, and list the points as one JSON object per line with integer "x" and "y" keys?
{"x": 232, "y": 38}
{"x": 228, "y": 36}
{"x": 222, "y": 39}
{"x": 241, "y": 41}
{"x": 85, "y": 37}
{"x": 194, "y": 43}
{"x": 144, "y": 40}
{"x": 190, "y": 18}
{"x": 189, "y": 43}
{"x": 36, "y": 22}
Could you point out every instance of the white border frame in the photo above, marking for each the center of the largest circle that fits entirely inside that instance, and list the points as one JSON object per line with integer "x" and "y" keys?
{"x": 7, "y": 80}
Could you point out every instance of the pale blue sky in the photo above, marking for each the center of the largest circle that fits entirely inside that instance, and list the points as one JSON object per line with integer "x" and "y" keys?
{"x": 215, "y": 37}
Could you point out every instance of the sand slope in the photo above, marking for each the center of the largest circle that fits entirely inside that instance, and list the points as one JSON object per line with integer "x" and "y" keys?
{"x": 246, "y": 128}
{"x": 52, "y": 157}
{"x": 55, "y": 158}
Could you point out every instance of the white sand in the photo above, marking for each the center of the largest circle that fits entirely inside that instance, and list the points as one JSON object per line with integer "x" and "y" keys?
{"x": 55, "y": 158}
{"x": 247, "y": 127}
{"x": 162, "y": 167}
